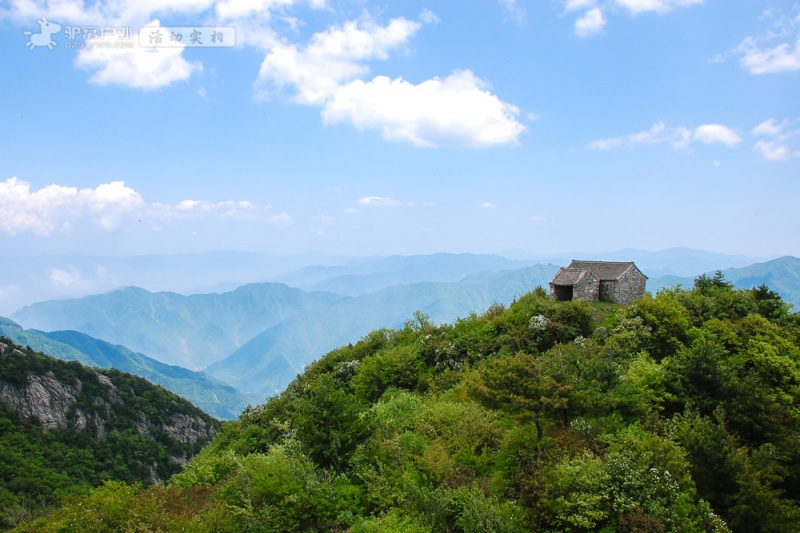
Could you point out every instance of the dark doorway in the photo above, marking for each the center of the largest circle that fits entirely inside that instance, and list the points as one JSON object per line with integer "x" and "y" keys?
{"x": 563, "y": 293}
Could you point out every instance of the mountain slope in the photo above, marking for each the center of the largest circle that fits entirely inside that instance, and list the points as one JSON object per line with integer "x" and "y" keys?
{"x": 212, "y": 396}
{"x": 676, "y": 413}
{"x": 269, "y": 361}
{"x": 66, "y": 427}
{"x": 363, "y": 276}
{"x": 190, "y": 331}
{"x": 782, "y": 275}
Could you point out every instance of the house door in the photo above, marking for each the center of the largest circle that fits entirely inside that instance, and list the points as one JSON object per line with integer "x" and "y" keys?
{"x": 563, "y": 293}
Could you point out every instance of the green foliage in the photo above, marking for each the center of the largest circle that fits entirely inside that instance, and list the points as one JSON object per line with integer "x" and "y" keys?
{"x": 103, "y": 438}
{"x": 677, "y": 413}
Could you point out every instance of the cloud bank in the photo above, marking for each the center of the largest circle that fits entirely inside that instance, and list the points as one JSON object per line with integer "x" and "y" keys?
{"x": 330, "y": 71}
{"x": 58, "y": 208}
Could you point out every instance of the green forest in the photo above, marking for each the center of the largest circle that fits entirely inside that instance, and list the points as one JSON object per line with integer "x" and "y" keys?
{"x": 123, "y": 439}
{"x": 678, "y": 412}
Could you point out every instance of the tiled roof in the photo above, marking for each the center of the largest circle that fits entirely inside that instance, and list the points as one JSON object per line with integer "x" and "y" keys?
{"x": 569, "y": 276}
{"x": 604, "y": 270}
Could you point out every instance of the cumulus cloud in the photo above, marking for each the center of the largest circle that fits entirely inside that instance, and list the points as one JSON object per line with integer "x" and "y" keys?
{"x": 333, "y": 56}
{"x": 115, "y": 59}
{"x": 514, "y": 9}
{"x": 43, "y": 211}
{"x": 454, "y": 111}
{"x": 378, "y": 201}
{"x": 658, "y": 134}
{"x": 137, "y": 67}
{"x": 590, "y": 23}
{"x": 234, "y": 9}
{"x": 593, "y": 18}
{"x": 777, "y": 146}
{"x": 656, "y": 6}
{"x": 770, "y": 127}
{"x": 716, "y": 133}
{"x": 58, "y": 208}
{"x": 329, "y": 72}
{"x": 772, "y": 150}
{"x": 774, "y": 51}
{"x": 758, "y": 59}
{"x": 679, "y": 137}
{"x": 575, "y": 5}
{"x": 487, "y": 205}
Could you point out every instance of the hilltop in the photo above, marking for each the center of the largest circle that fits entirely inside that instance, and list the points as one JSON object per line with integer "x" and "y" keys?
{"x": 66, "y": 428}
{"x": 211, "y": 395}
{"x": 675, "y": 413}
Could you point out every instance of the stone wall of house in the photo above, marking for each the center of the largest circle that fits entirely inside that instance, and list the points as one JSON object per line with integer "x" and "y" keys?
{"x": 629, "y": 287}
{"x": 587, "y": 288}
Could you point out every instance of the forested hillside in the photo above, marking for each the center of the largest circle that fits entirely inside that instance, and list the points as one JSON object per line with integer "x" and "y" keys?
{"x": 211, "y": 395}
{"x": 676, "y": 413}
{"x": 65, "y": 428}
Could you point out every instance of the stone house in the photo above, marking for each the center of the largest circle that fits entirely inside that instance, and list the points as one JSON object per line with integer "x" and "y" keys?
{"x": 607, "y": 281}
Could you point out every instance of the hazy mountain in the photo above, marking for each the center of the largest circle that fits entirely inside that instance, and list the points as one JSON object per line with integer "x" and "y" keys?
{"x": 781, "y": 275}
{"x": 672, "y": 261}
{"x": 189, "y": 331}
{"x": 212, "y": 396}
{"x": 259, "y": 336}
{"x": 267, "y": 363}
{"x": 367, "y": 275}
{"x": 25, "y": 280}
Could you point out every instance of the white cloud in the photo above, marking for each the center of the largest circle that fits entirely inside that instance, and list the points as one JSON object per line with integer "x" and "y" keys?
{"x": 487, "y": 205}
{"x": 678, "y": 137}
{"x": 514, "y": 9}
{"x": 234, "y": 9}
{"x": 576, "y": 5}
{"x": 591, "y": 23}
{"x": 57, "y": 208}
{"x": 775, "y": 50}
{"x": 429, "y": 17}
{"x": 108, "y": 59}
{"x": 769, "y": 60}
{"x": 332, "y": 57}
{"x": 772, "y": 150}
{"x": 770, "y": 127}
{"x": 656, "y": 6}
{"x": 593, "y": 19}
{"x": 716, "y": 133}
{"x": 778, "y": 147}
{"x": 328, "y": 72}
{"x": 137, "y": 66}
{"x": 43, "y": 211}
{"x": 454, "y": 111}
{"x": 659, "y": 133}
{"x": 378, "y": 201}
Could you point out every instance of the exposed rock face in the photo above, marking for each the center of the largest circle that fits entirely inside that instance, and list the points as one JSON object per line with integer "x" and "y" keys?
{"x": 88, "y": 405}
{"x": 187, "y": 429}
{"x": 44, "y": 397}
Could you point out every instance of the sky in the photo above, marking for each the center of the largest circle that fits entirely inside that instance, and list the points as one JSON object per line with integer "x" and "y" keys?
{"x": 374, "y": 128}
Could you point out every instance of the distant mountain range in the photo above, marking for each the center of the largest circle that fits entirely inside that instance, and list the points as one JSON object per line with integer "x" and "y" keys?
{"x": 259, "y": 336}
{"x": 267, "y": 331}
{"x": 26, "y": 280}
{"x": 781, "y": 275}
{"x": 212, "y": 396}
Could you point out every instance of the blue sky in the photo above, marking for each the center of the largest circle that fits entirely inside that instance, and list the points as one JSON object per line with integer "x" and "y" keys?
{"x": 361, "y": 128}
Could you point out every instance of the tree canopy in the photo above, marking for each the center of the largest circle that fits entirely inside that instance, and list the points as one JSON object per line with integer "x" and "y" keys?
{"x": 678, "y": 412}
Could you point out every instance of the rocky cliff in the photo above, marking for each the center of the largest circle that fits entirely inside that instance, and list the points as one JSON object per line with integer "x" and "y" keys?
{"x": 139, "y": 431}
